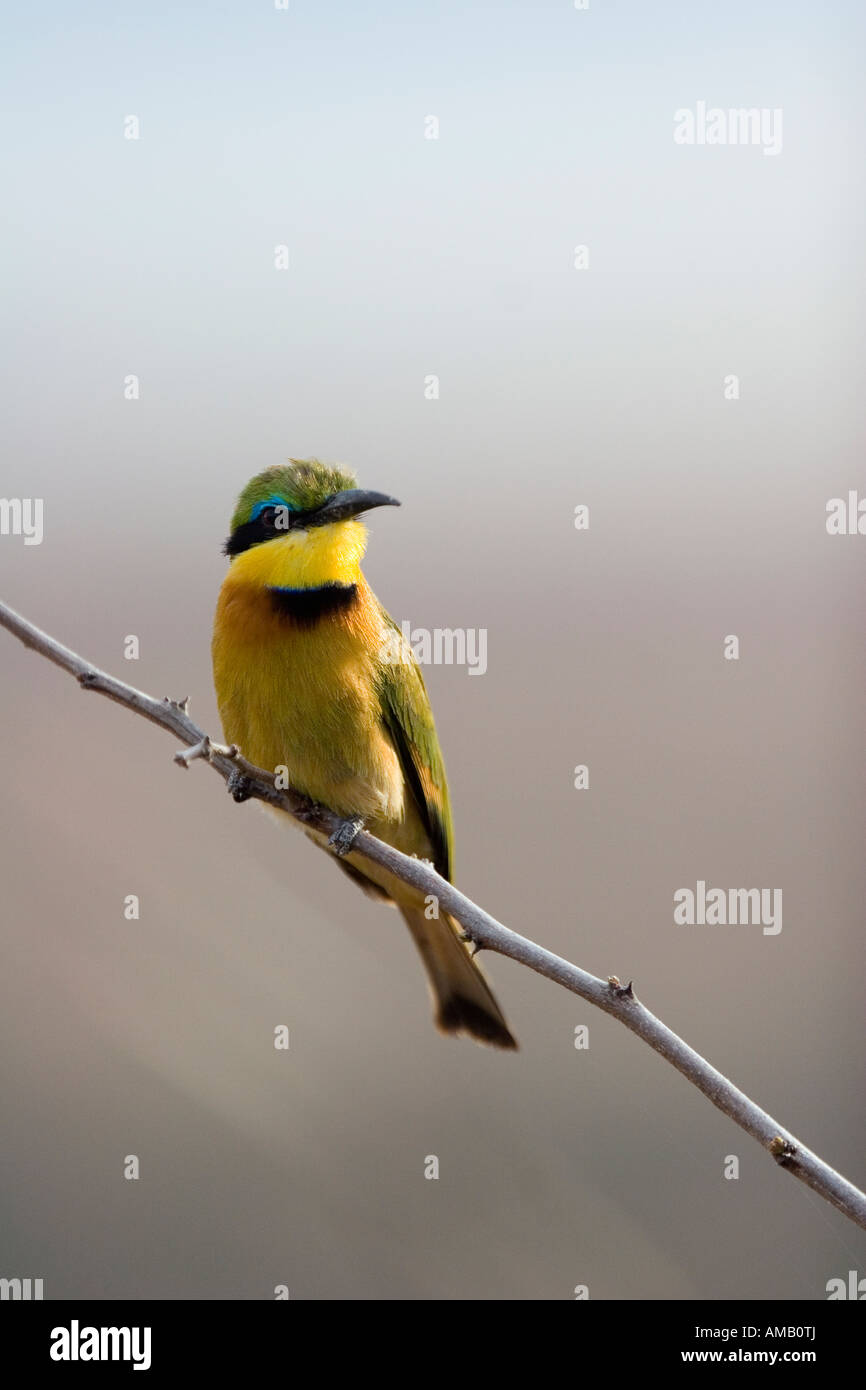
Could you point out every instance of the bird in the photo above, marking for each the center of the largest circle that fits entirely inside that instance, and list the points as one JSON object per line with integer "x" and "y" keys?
{"x": 312, "y": 676}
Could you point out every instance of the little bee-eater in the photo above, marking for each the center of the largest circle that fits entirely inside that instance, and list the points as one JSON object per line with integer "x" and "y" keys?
{"x": 312, "y": 675}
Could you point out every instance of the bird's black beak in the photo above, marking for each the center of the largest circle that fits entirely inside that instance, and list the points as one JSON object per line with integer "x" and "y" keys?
{"x": 346, "y": 504}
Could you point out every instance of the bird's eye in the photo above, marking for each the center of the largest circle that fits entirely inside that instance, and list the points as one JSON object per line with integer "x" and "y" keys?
{"x": 267, "y": 518}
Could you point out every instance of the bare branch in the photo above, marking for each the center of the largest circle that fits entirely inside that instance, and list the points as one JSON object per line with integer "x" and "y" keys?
{"x": 482, "y": 929}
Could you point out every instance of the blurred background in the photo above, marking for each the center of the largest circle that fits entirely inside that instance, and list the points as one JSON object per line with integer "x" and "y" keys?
{"x": 412, "y": 257}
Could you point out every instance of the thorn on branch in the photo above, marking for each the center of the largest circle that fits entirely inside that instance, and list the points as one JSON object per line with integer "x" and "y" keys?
{"x": 181, "y": 705}
{"x": 621, "y": 991}
{"x": 782, "y": 1150}
{"x": 202, "y": 749}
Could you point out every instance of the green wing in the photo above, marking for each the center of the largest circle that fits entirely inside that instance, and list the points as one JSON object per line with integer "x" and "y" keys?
{"x": 409, "y": 720}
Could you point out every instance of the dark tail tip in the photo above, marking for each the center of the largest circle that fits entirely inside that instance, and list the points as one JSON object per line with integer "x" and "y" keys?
{"x": 461, "y": 1015}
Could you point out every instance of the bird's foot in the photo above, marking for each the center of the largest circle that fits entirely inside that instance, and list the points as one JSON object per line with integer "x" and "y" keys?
{"x": 469, "y": 940}
{"x": 345, "y": 836}
{"x": 239, "y": 786}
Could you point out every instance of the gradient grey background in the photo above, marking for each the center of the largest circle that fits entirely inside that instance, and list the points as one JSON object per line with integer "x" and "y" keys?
{"x": 453, "y": 257}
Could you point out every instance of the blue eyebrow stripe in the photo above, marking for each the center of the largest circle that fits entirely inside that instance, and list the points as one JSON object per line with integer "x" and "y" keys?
{"x": 272, "y": 501}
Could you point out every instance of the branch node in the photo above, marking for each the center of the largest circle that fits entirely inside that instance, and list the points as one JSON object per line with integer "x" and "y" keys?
{"x": 88, "y": 679}
{"x": 181, "y": 705}
{"x": 202, "y": 749}
{"x": 621, "y": 991}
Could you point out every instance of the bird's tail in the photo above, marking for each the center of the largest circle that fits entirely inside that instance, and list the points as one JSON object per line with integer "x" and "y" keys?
{"x": 464, "y": 1002}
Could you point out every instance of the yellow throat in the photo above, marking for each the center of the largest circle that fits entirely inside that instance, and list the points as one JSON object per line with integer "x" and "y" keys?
{"x": 303, "y": 559}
